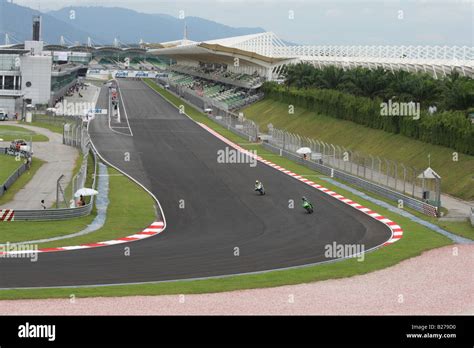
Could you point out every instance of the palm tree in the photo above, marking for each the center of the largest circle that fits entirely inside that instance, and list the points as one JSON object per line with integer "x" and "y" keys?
{"x": 458, "y": 92}
{"x": 425, "y": 89}
{"x": 369, "y": 83}
{"x": 331, "y": 77}
{"x": 401, "y": 85}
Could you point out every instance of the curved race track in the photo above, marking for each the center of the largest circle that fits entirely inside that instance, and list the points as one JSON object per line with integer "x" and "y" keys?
{"x": 177, "y": 160}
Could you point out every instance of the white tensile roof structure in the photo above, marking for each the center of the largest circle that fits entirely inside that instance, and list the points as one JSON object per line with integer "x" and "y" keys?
{"x": 269, "y": 51}
{"x": 263, "y": 43}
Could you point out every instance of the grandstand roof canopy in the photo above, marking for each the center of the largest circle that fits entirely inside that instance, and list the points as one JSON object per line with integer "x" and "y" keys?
{"x": 255, "y": 48}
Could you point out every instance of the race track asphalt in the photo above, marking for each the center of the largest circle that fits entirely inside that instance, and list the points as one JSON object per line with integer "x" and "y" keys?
{"x": 177, "y": 161}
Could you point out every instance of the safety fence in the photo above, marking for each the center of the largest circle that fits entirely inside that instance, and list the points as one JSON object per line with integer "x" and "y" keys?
{"x": 237, "y": 124}
{"x": 383, "y": 172}
{"x": 62, "y": 213}
{"x": 21, "y": 154}
{"x": 53, "y": 214}
{"x": 74, "y": 134}
{"x": 318, "y": 165}
{"x": 14, "y": 176}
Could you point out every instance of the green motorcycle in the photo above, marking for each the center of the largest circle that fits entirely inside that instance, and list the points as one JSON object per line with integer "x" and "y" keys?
{"x": 307, "y": 206}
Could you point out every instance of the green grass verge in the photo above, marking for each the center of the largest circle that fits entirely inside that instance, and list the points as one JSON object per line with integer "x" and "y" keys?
{"x": 8, "y": 165}
{"x": 461, "y": 228}
{"x": 52, "y": 127}
{"x": 456, "y": 175}
{"x": 417, "y": 239}
{"x": 9, "y": 133}
{"x": 130, "y": 210}
{"x": 411, "y": 245}
{"x": 22, "y": 231}
{"x": 20, "y": 183}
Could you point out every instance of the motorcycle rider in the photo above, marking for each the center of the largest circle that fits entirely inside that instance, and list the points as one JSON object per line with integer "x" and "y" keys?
{"x": 306, "y": 204}
{"x": 259, "y": 187}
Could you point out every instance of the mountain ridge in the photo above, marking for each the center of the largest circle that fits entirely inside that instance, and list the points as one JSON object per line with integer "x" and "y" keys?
{"x": 104, "y": 24}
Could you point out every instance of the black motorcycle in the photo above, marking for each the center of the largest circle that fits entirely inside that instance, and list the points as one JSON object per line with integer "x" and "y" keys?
{"x": 260, "y": 189}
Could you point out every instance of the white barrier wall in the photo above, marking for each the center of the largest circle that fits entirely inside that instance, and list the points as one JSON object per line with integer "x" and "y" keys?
{"x": 104, "y": 74}
{"x": 134, "y": 74}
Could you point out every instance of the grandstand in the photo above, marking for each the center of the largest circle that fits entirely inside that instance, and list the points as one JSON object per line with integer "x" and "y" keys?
{"x": 220, "y": 74}
{"x": 213, "y": 92}
{"x": 266, "y": 55}
{"x": 229, "y": 72}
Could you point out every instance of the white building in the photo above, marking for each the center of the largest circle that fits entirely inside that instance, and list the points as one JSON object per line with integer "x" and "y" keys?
{"x": 30, "y": 76}
{"x": 36, "y": 74}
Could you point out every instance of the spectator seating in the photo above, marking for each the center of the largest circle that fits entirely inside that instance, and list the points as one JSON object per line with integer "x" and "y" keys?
{"x": 234, "y": 97}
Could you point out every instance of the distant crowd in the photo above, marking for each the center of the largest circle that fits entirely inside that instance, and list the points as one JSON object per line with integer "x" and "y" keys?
{"x": 76, "y": 88}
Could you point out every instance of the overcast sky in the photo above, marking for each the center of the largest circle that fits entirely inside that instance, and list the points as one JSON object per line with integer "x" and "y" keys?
{"x": 346, "y": 22}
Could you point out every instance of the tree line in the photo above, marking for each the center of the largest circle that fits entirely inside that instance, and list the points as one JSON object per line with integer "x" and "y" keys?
{"x": 453, "y": 92}
{"x": 446, "y": 128}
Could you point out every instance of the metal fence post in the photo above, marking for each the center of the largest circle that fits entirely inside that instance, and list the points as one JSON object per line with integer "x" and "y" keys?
{"x": 372, "y": 167}
{"x": 386, "y": 170}
{"x": 339, "y": 154}
{"x": 344, "y": 156}
{"x": 365, "y": 167}
{"x": 404, "y": 177}
{"x": 357, "y": 162}
{"x": 396, "y": 174}
{"x": 334, "y": 154}
{"x": 350, "y": 161}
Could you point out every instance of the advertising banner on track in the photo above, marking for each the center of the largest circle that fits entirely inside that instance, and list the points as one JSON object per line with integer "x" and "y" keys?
{"x": 133, "y": 74}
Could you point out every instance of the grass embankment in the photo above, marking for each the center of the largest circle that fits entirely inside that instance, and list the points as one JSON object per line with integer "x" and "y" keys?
{"x": 8, "y": 165}
{"x": 53, "y": 123}
{"x": 20, "y": 183}
{"x": 130, "y": 210}
{"x": 56, "y": 128}
{"x": 416, "y": 239}
{"x": 9, "y": 133}
{"x": 461, "y": 228}
{"x": 456, "y": 176}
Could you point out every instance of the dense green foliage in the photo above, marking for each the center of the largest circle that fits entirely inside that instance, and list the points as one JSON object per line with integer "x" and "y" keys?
{"x": 454, "y": 92}
{"x": 357, "y": 95}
